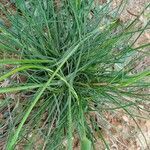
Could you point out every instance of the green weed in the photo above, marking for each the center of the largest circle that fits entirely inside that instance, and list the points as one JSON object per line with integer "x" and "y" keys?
{"x": 77, "y": 58}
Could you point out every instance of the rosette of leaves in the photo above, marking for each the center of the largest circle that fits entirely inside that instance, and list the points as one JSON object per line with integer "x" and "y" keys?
{"x": 77, "y": 58}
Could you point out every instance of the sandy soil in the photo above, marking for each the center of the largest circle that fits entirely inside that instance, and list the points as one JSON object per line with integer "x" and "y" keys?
{"x": 125, "y": 133}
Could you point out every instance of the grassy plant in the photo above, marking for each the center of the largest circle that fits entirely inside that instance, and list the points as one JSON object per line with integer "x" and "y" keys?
{"x": 76, "y": 58}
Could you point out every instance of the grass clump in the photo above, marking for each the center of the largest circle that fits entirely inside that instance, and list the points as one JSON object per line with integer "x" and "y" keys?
{"x": 77, "y": 58}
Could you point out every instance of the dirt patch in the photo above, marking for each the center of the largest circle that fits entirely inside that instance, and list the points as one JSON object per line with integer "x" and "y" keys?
{"x": 125, "y": 132}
